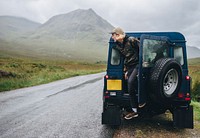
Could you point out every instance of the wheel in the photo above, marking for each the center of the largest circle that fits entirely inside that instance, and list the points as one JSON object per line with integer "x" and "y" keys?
{"x": 165, "y": 79}
{"x": 170, "y": 82}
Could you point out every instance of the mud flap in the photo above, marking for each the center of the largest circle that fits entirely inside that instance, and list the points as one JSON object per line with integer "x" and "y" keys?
{"x": 111, "y": 116}
{"x": 183, "y": 117}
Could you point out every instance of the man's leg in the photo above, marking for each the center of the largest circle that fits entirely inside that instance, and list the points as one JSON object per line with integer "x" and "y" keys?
{"x": 132, "y": 93}
{"x": 131, "y": 88}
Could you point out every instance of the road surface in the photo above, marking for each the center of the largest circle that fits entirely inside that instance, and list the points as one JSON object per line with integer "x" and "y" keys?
{"x": 71, "y": 108}
{"x": 68, "y": 108}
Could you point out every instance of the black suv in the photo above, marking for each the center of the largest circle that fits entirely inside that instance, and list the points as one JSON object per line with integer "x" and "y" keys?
{"x": 162, "y": 81}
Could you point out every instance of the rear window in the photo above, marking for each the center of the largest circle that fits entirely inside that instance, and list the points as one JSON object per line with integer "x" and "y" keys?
{"x": 178, "y": 54}
{"x": 154, "y": 50}
{"x": 115, "y": 57}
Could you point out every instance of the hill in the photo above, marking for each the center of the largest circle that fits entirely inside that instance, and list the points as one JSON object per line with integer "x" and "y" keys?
{"x": 12, "y": 27}
{"x": 76, "y": 25}
{"x": 194, "y": 61}
{"x": 79, "y": 35}
{"x": 193, "y": 52}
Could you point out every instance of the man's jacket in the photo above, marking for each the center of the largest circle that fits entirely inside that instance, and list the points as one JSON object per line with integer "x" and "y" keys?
{"x": 130, "y": 51}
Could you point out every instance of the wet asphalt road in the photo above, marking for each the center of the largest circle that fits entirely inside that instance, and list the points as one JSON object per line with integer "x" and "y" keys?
{"x": 69, "y": 108}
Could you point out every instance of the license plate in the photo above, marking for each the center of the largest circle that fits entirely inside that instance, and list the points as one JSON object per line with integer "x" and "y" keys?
{"x": 114, "y": 84}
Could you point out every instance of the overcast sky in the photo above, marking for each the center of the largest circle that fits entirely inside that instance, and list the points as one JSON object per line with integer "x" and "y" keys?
{"x": 132, "y": 15}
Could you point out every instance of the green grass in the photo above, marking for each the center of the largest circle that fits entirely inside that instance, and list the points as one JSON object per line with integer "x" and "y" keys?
{"x": 29, "y": 72}
{"x": 194, "y": 72}
{"x": 196, "y": 106}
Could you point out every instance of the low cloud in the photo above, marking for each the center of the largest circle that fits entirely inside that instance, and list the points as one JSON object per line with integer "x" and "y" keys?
{"x": 132, "y": 15}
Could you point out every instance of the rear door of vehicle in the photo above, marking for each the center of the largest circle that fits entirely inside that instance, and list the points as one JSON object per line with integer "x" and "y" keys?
{"x": 114, "y": 77}
{"x": 152, "y": 48}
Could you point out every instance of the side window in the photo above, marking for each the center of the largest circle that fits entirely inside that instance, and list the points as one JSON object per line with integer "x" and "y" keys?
{"x": 153, "y": 50}
{"x": 178, "y": 54}
{"x": 115, "y": 57}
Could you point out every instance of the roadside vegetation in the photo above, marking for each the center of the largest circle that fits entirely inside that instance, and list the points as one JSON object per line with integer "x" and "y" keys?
{"x": 21, "y": 72}
{"x": 194, "y": 72}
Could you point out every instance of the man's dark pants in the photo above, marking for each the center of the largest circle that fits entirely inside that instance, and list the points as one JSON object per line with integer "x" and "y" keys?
{"x": 132, "y": 80}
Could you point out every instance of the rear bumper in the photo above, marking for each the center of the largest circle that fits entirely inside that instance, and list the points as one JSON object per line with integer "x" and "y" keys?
{"x": 121, "y": 101}
{"x": 124, "y": 102}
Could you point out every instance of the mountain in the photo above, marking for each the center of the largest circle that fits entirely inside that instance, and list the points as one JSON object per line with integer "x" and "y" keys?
{"x": 78, "y": 35}
{"x": 12, "y": 27}
{"x": 193, "y": 52}
{"x": 79, "y": 25}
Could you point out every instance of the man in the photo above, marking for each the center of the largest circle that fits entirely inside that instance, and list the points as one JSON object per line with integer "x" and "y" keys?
{"x": 129, "y": 49}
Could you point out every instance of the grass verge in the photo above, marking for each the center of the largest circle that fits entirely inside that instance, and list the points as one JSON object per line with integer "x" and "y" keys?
{"x": 196, "y": 106}
{"x": 21, "y": 72}
{"x": 194, "y": 72}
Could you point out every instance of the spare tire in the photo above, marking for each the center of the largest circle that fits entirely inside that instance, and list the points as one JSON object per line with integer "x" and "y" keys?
{"x": 165, "y": 80}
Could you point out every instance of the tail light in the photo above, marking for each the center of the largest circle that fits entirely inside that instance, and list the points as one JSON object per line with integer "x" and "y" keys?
{"x": 106, "y": 97}
{"x": 186, "y": 96}
{"x": 187, "y": 77}
{"x": 183, "y": 95}
{"x": 180, "y": 95}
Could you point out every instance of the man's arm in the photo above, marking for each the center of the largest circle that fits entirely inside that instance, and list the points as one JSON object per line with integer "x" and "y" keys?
{"x": 120, "y": 49}
{"x": 134, "y": 42}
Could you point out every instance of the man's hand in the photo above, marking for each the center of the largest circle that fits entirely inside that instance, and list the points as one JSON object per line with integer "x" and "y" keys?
{"x": 126, "y": 75}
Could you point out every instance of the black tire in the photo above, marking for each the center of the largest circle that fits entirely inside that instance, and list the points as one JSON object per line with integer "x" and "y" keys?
{"x": 165, "y": 80}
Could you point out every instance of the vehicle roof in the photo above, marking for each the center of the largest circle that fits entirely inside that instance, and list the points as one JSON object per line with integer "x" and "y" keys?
{"x": 173, "y": 36}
